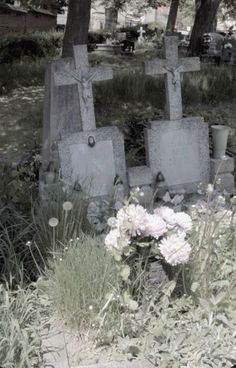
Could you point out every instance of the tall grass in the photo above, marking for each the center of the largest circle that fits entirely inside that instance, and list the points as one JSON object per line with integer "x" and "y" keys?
{"x": 23, "y": 73}
{"x": 211, "y": 85}
{"x": 81, "y": 280}
{"x": 20, "y": 326}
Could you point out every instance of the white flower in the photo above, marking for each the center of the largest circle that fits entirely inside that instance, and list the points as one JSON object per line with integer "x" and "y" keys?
{"x": 175, "y": 249}
{"x": 112, "y": 222}
{"x": 111, "y": 240}
{"x": 210, "y": 188}
{"x": 53, "y": 222}
{"x": 155, "y": 226}
{"x": 167, "y": 214}
{"x": 67, "y": 206}
{"x": 116, "y": 239}
{"x": 184, "y": 221}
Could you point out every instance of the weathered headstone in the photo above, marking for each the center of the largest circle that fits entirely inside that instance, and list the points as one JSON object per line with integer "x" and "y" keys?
{"x": 61, "y": 109}
{"x": 177, "y": 149}
{"x": 172, "y": 67}
{"x": 180, "y": 151}
{"x": 92, "y": 159}
{"x": 93, "y": 168}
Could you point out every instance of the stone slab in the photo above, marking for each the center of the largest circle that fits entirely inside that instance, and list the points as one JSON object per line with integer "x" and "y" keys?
{"x": 94, "y": 168}
{"x": 61, "y": 108}
{"x": 219, "y": 166}
{"x": 226, "y": 182}
{"x": 139, "y": 175}
{"x": 180, "y": 151}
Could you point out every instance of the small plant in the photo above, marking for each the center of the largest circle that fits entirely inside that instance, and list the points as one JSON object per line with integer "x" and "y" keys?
{"x": 81, "y": 277}
{"x": 20, "y": 327}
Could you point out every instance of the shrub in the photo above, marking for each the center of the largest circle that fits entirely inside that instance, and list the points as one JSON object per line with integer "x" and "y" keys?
{"x": 34, "y": 45}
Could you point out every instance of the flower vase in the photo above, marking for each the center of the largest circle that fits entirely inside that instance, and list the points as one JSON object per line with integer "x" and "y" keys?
{"x": 220, "y": 135}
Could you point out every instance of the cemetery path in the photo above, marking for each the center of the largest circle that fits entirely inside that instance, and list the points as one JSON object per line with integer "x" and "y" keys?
{"x": 20, "y": 122}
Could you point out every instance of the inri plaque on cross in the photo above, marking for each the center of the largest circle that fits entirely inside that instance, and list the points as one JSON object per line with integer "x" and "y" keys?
{"x": 83, "y": 75}
{"x": 172, "y": 66}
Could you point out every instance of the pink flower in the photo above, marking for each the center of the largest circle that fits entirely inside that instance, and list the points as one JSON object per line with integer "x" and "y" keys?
{"x": 155, "y": 226}
{"x": 175, "y": 249}
{"x": 167, "y": 214}
{"x": 184, "y": 221}
{"x": 132, "y": 219}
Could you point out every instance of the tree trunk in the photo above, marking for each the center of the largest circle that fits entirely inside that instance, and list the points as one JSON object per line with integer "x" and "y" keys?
{"x": 205, "y": 17}
{"x": 111, "y": 19}
{"x": 174, "y": 6}
{"x": 77, "y": 25}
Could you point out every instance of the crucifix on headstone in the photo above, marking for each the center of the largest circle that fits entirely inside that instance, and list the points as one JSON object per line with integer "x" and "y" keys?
{"x": 141, "y": 34}
{"x": 83, "y": 75}
{"x": 171, "y": 67}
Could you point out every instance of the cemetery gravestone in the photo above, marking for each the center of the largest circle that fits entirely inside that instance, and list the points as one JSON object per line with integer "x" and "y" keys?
{"x": 141, "y": 34}
{"x": 61, "y": 109}
{"x": 178, "y": 148}
{"x": 93, "y": 158}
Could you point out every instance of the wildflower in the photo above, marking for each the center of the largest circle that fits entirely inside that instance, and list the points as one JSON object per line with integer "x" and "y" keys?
{"x": 67, "y": 206}
{"x": 29, "y": 243}
{"x": 90, "y": 307}
{"x": 53, "y": 222}
{"x": 184, "y": 221}
{"x": 210, "y": 188}
{"x": 141, "y": 194}
{"x": 155, "y": 226}
{"x": 175, "y": 249}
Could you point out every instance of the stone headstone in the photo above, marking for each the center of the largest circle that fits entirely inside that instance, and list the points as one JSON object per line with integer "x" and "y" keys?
{"x": 61, "y": 108}
{"x": 179, "y": 150}
{"x": 93, "y": 169}
{"x": 68, "y": 106}
{"x": 172, "y": 67}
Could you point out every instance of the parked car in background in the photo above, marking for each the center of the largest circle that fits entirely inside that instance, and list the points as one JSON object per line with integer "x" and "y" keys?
{"x": 212, "y": 45}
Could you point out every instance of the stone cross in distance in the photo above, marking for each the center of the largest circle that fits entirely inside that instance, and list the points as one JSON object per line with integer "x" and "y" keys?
{"x": 83, "y": 75}
{"x": 171, "y": 67}
{"x": 141, "y": 32}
